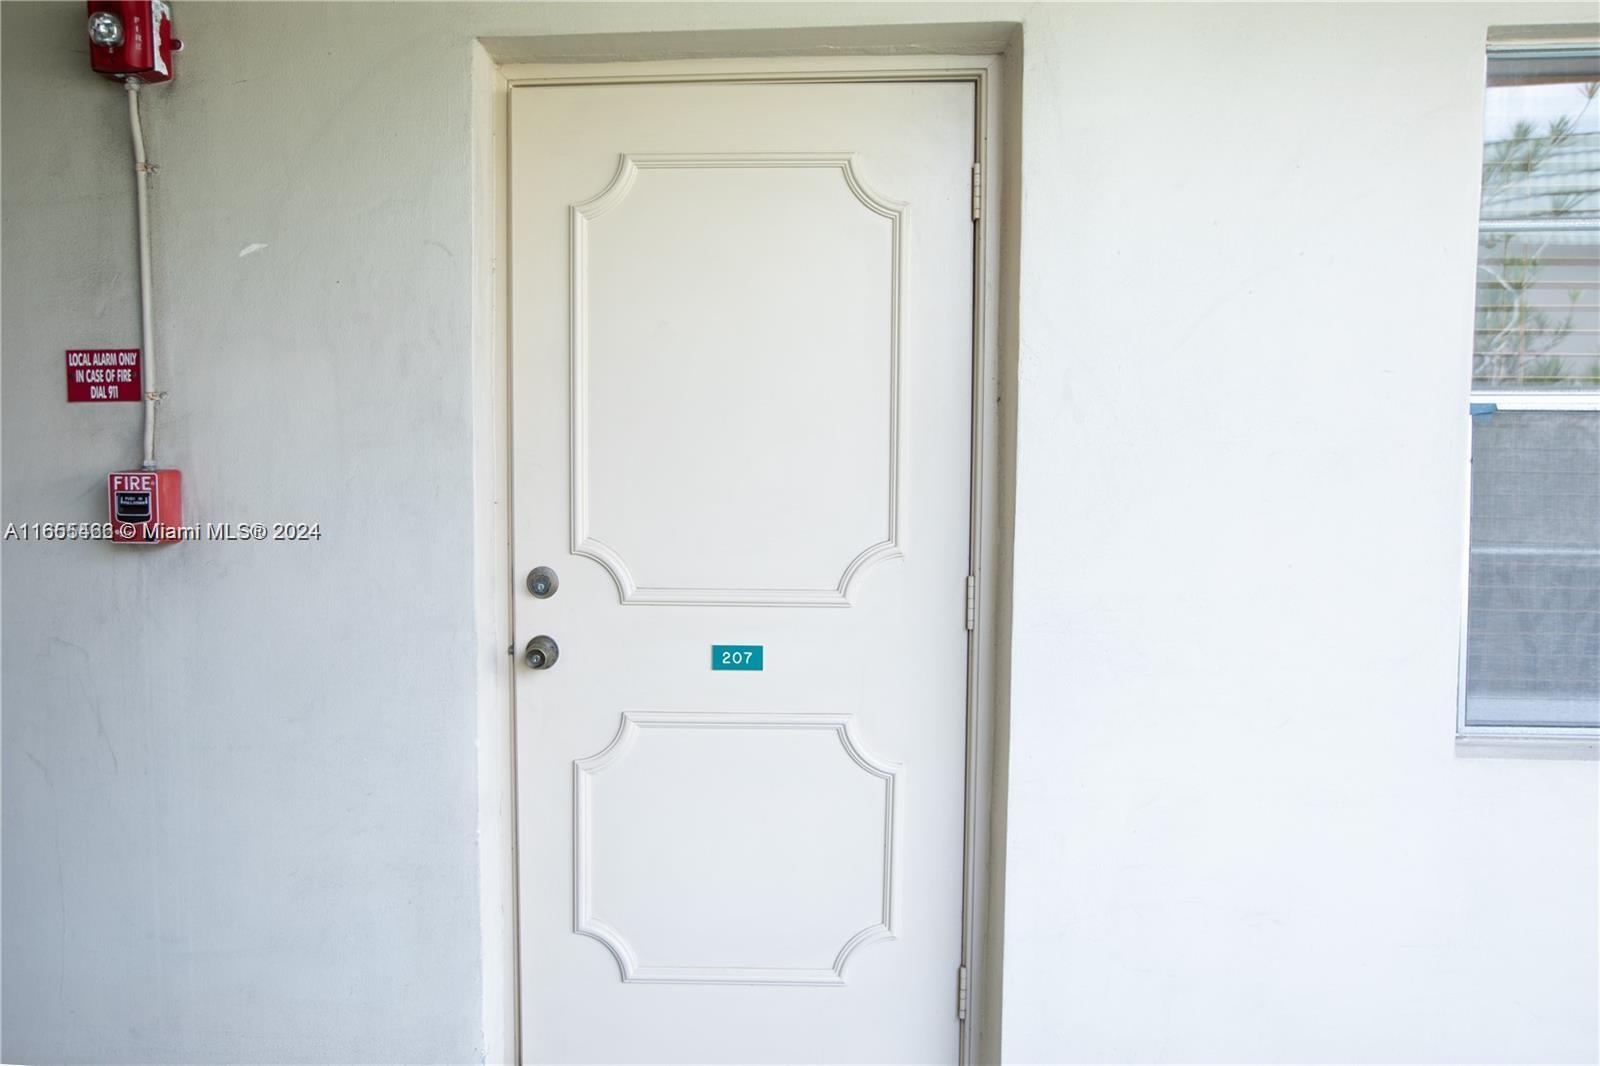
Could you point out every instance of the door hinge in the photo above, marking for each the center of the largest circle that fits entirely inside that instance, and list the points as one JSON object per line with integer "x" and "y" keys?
{"x": 963, "y": 993}
{"x": 972, "y": 601}
{"x": 977, "y": 191}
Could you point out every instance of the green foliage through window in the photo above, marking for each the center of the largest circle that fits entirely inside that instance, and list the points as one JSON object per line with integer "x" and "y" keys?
{"x": 1538, "y": 306}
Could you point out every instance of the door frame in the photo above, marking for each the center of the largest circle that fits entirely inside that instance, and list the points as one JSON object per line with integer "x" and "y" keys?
{"x": 994, "y": 364}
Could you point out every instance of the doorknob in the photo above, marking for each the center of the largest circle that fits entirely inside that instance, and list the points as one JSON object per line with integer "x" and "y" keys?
{"x": 541, "y": 653}
{"x": 542, "y": 582}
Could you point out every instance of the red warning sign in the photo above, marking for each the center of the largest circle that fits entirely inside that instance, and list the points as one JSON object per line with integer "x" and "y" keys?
{"x": 103, "y": 375}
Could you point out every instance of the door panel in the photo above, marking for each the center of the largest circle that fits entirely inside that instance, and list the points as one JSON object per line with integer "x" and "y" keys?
{"x": 777, "y": 890}
{"x": 738, "y": 368}
{"x": 740, "y": 371}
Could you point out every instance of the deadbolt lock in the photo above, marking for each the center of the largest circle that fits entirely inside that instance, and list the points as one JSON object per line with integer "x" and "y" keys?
{"x": 542, "y": 582}
{"x": 541, "y": 653}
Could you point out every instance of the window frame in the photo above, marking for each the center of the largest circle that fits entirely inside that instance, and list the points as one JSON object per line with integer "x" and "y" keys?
{"x": 1514, "y": 400}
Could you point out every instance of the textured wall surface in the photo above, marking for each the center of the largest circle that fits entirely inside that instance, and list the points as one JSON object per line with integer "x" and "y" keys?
{"x": 240, "y": 781}
{"x": 1239, "y": 827}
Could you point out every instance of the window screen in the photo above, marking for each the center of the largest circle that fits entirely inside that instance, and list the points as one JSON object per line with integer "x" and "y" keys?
{"x": 1532, "y": 656}
{"x": 1533, "y": 620}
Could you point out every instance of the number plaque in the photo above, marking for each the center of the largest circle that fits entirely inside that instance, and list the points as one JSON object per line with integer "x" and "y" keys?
{"x": 736, "y": 656}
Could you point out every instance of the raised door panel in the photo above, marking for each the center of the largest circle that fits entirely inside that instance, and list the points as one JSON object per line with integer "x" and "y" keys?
{"x": 735, "y": 848}
{"x": 735, "y": 378}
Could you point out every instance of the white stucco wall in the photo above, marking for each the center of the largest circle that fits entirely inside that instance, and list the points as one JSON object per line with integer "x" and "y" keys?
{"x": 1239, "y": 829}
{"x": 240, "y": 782}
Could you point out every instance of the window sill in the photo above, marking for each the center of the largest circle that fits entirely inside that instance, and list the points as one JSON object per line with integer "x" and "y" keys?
{"x": 1574, "y": 747}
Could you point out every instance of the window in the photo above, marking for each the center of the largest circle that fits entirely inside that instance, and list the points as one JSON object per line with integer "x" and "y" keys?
{"x": 1531, "y": 662}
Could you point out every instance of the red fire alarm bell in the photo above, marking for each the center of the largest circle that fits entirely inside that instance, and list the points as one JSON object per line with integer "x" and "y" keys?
{"x": 131, "y": 39}
{"x": 146, "y": 506}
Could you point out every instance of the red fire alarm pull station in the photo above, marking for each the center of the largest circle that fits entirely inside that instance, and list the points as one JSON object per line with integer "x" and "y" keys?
{"x": 146, "y": 506}
{"x": 132, "y": 39}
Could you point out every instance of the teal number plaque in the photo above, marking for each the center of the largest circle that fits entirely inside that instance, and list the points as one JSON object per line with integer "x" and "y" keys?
{"x": 736, "y": 656}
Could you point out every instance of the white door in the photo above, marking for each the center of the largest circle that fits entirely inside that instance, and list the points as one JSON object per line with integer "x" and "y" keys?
{"x": 741, "y": 344}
